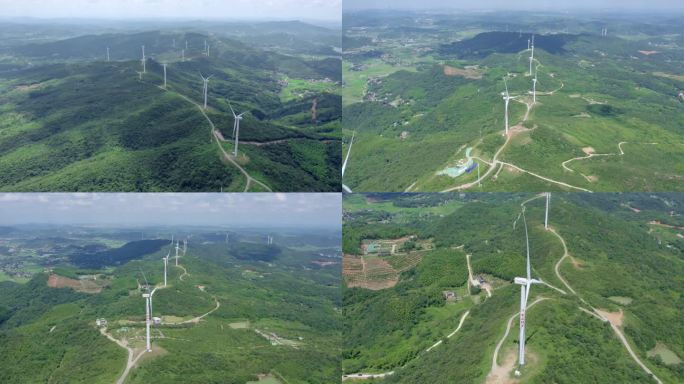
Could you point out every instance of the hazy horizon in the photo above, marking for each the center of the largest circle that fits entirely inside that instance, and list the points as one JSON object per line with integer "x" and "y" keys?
{"x": 505, "y": 5}
{"x": 266, "y": 210}
{"x": 235, "y": 10}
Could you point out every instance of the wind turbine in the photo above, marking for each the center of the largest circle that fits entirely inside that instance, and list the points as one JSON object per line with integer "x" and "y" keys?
{"x": 143, "y": 59}
{"x": 546, "y": 217}
{"x": 532, "y": 55}
{"x": 507, "y": 98}
{"x": 534, "y": 88}
{"x": 206, "y": 87}
{"x": 177, "y": 248}
{"x": 107, "y": 54}
{"x": 148, "y": 308}
{"x": 164, "y": 75}
{"x": 185, "y": 246}
{"x": 236, "y": 128}
{"x": 166, "y": 264}
{"x": 346, "y": 159}
{"x": 525, "y": 286}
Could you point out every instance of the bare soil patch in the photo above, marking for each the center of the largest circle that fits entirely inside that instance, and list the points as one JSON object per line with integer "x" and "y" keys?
{"x": 576, "y": 263}
{"x": 669, "y": 76}
{"x": 502, "y": 373}
{"x": 588, "y": 150}
{"x": 614, "y": 318}
{"x": 82, "y": 285}
{"x": 26, "y": 88}
{"x": 666, "y": 355}
{"x": 469, "y": 72}
{"x": 372, "y": 273}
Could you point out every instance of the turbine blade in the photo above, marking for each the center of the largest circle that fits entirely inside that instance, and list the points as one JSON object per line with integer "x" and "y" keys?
{"x": 231, "y": 109}
{"x": 351, "y": 142}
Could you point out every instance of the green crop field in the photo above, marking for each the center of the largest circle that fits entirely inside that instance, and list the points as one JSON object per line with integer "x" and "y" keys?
{"x": 616, "y": 268}
{"x": 418, "y": 93}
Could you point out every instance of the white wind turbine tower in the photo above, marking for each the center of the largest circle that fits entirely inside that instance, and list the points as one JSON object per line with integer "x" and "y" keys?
{"x": 148, "y": 308}
{"x": 236, "y": 128}
{"x": 177, "y": 249}
{"x": 164, "y": 75}
{"x": 147, "y": 296}
{"x": 507, "y": 98}
{"x": 532, "y": 55}
{"x": 185, "y": 246}
{"x": 107, "y": 54}
{"x": 206, "y": 87}
{"x": 525, "y": 286}
{"x": 143, "y": 59}
{"x": 534, "y": 87}
{"x": 546, "y": 217}
{"x": 166, "y": 265}
{"x": 346, "y": 159}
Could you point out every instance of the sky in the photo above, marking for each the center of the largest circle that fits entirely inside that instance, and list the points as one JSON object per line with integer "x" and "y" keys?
{"x": 542, "y": 5}
{"x": 273, "y": 210}
{"x": 323, "y": 10}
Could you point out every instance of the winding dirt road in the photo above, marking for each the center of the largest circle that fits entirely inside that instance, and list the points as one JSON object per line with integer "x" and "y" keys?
{"x": 185, "y": 272}
{"x": 497, "y": 372}
{"x": 560, "y": 261}
{"x": 226, "y": 155}
{"x": 197, "y": 319}
{"x": 473, "y": 282}
{"x": 130, "y": 363}
{"x": 598, "y": 315}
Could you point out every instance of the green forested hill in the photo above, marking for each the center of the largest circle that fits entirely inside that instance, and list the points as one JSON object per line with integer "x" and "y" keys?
{"x": 68, "y": 123}
{"x": 49, "y": 334}
{"x": 607, "y": 116}
{"x": 619, "y": 262}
